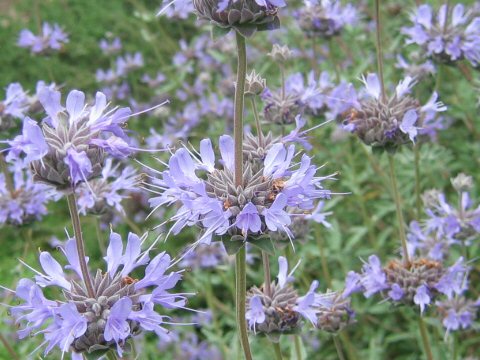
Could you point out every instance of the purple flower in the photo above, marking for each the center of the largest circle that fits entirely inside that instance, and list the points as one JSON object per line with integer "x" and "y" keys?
{"x": 422, "y": 297}
{"x": 52, "y": 38}
{"x": 15, "y": 104}
{"x": 446, "y": 37}
{"x": 117, "y": 327}
{"x": 110, "y": 48}
{"x": 255, "y": 314}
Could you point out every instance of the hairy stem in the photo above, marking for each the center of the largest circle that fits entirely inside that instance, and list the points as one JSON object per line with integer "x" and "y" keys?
{"x": 277, "y": 350}
{"x": 425, "y": 341}
{"x": 238, "y": 107}
{"x": 266, "y": 270}
{"x": 379, "y": 49}
{"x": 241, "y": 293}
{"x": 398, "y": 206}
{"x": 112, "y": 355}
{"x": 98, "y": 230}
{"x": 257, "y": 121}
{"x": 418, "y": 200}
{"x": 338, "y": 347}
{"x": 77, "y": 230}
{"x": 298, "y": 346}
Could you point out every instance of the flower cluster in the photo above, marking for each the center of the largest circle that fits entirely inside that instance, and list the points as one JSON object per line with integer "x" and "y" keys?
{"x": 26, "y": 201}
{"x": 105, "y": 193}
{"x": 451, "y": 35}
{"x": 391, "y": 121}
{"x": 204, "y": 256}
{"x": 52, "y": 38}
{"x": 326, "y": 18}
{"x": 281, "y": 310}
{"x": 70, "y": 145}
{"x": 120, "y": 308}
{"x": 110, "y": 48}
{"x": 178, "y": 9}
{"x": 246, "y": 16}
{"x": 458, "y": 312}
{"x": 270, "y": 186}
{"x": 14, "y": 105}
{"x": 415, "y": 282}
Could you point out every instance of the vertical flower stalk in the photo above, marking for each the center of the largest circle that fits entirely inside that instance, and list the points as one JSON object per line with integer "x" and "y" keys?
{"x": 77, "y": 230}
{"x": 240, "y": 258}
{"x": 426, "y": 342}
{"x": 398, "y": 207}
{"x": 277, "y": 350}
{"x": 379, "y": 49}
{"x": 266, "y": 270}
{"x": 8, "y": 177}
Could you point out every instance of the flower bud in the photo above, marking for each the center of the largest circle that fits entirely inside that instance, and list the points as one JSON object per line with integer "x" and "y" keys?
{"x": 254, "y": 84}
{"x": 280, "y": 54}
{"x": 462, "y": 182}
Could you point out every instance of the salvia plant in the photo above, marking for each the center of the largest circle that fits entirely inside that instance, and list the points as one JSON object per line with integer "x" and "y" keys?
{"x": 206, "y": 180}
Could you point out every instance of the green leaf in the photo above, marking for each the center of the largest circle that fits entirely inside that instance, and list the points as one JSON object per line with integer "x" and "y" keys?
{"x": 264, "y": 243}
{"x": 232, "y": 245}
{"x": 217, "y": 32}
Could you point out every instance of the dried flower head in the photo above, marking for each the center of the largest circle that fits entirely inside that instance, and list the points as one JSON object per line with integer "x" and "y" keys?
{"x": 280, "y": 53}
{"x": 254, "y": 84}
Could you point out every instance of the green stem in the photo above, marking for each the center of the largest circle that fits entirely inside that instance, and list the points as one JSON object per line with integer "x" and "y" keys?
{"x": 241, "y": 293}
{"x": 418, "y": 200}
{"x": 298, "y": 346}
{"x": 277, "y": 350}
{"x": 351, "y": 351}
{"x": 77, "y": 230}
{"x": 398, "y": 206}
{"x": 266, "y": 270}
{"x": 379, "y": 49}
{"x": 112, "y": 355}
{"x": 335, "y": 62}
{"x": 425, "y": 341}
{"x": 9, "y": 348}
{"x": 447, "y": 10}
{"x": 338, "y": 347}
{"x": 282, "y": 74}
{"x": 323, "y": 258}
{"x": 8, "y": 176}
{"x": 98, "y": 230}
{"x": 257, "y": 121}
{"x": 238, "y": 108}
{"x": 130, "y": 223}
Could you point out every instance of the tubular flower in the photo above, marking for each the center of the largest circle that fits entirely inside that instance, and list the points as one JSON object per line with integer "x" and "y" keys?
{"x": 271, "y": 185}
{"x": 390, "y": 122}
{"x": 446, "y": 37}
{"x": 70, "y": 145}
{"x": 121, "y": 308}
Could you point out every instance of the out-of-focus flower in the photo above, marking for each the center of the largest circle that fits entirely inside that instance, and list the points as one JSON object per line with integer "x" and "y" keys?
{"x": 105, "y": 193}
{"x": 27, "y": 200}
{"x": 416, "y": 69}
{"x": 121, "y": 308}
{"x": 416, "y": 282}
{"x": 449, "y": 35}
{"x": 70, "y": 145}
{"x": 128, "y": 63}
{"x": 52, "y": 38}
{"x": 326, "y": 18}
{"x": 110, "y": 48}
{"x": 205, "y": 256}
{"x": 457, "y": 313}
{"x": 14, "y": 106}
{"x": 391, "y": 121}
{"x": 178, "y": 9}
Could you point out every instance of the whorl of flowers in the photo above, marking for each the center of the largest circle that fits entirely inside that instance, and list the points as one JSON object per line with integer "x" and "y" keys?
{"x": 27, "y": 202}
{"x": 282, "y": 310}
{"x": 390, "y": 122}
{"x": 458, "y": 312}
{"x": 415, "y": 282}
{"x": 52, "y": 38}
{"x": 121, "y": 308}
{"x": 205, "y": 188}
{"x": 204, "y": 256}
{"x": 446, "y": 224}
{"x": 326, "y": 18}
{"x": 105, "y": 193}
{"x": 245, "y": 16}
{"x": 70, "y": 145}
{"x": 14, "y": 105}
{"x": 446, "y": 37}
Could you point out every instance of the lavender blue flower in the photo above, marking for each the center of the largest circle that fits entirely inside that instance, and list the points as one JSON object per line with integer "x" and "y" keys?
{"x": 178, "y": 9}
{"x": 447, "y": 37}
{"x": 417, "y": 282}
{"x": 69, "y": 146}
{"x": 209, "y": 198}
{"x": 27, "y": 201}
{"x": 457, "y": 313}
{"x": 110, "y": 48}
{"x": 204, "y": 256}
{"x": 52, "y": 38}
{"x": 390, "y": 122}
{"x": 326, "y": 18}
{"x": 14, "y": 106}
{"x": 121, "y": 309}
